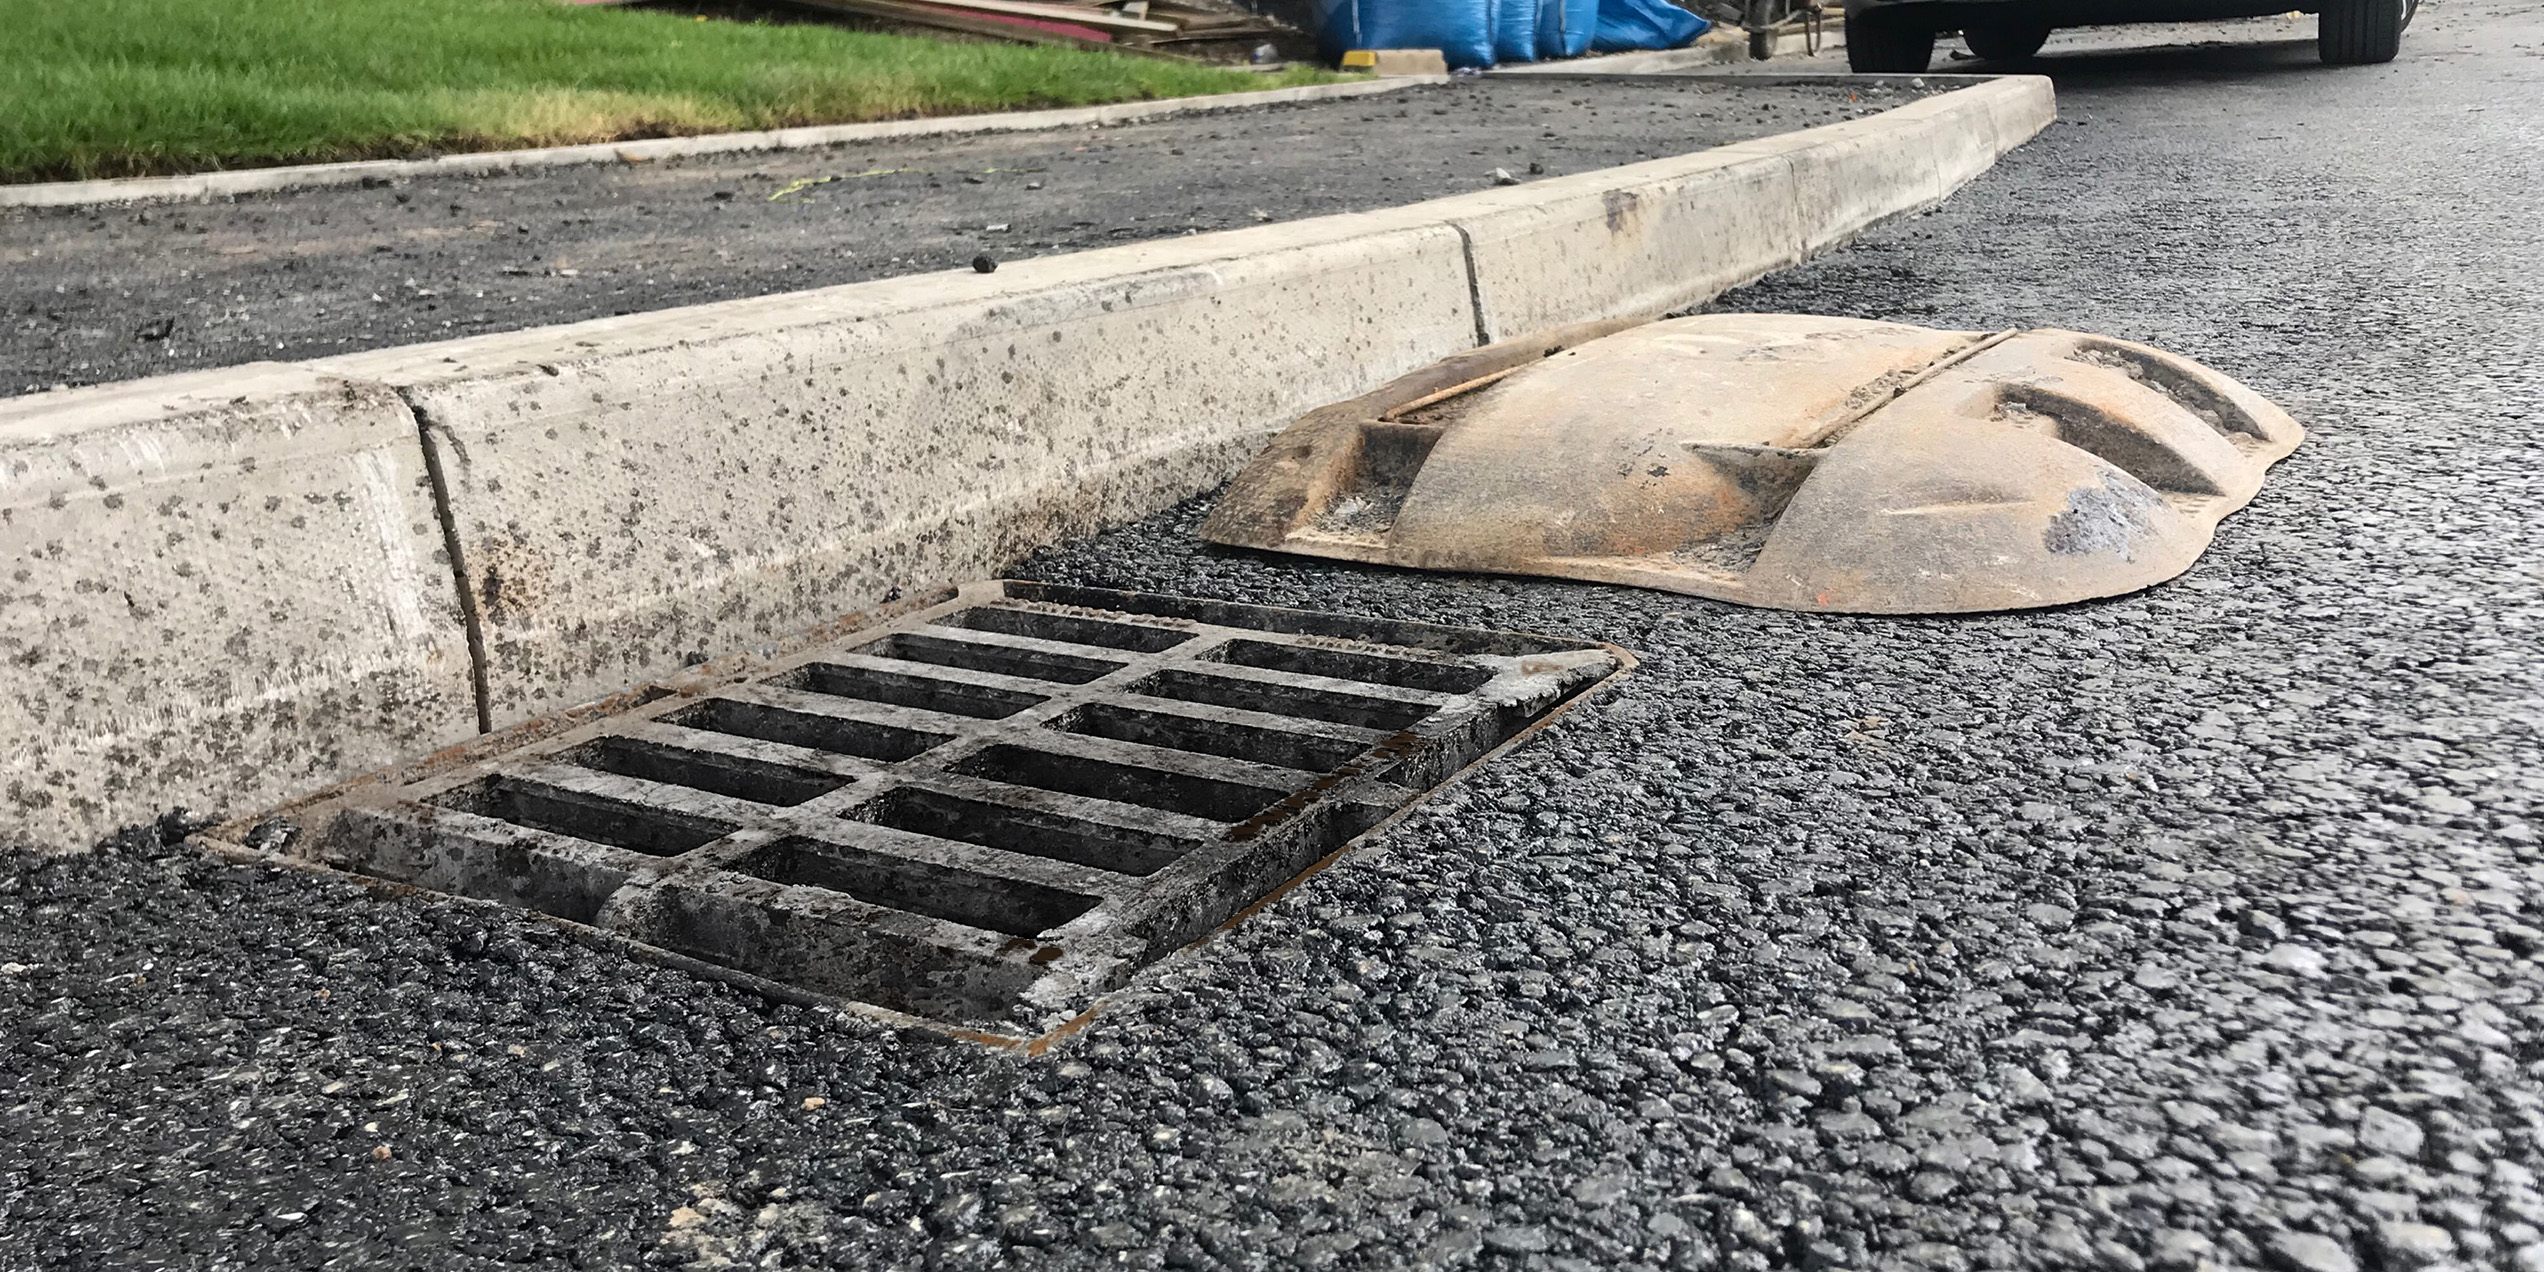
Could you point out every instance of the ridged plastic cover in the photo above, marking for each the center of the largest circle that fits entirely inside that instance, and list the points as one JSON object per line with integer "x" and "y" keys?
{"x": 1780, "y": 460}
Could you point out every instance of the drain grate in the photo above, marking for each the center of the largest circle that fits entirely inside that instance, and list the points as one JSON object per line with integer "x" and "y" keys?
{"x": 984, "y": 812}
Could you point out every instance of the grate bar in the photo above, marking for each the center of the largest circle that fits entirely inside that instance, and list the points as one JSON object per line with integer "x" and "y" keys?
{"x": 990, "y": 682}
{"x": 1283, "y": 694}
{"x": 1016, "y": 825}
{"x": 1303, "y": 682}
{"x": 814, "y": 724}
{"x": 899, "y": 686}
{"x": 663, "y": 733}
{"x": 1216, "y": 732}
{"x": 1024, "y": 657}
{"x": 1101, "y": 750}
{"x": 1081, "y": 629}
{"x": 897, "y": 719}
{"x": 639, "y": 792}
{"x": 1237, "y": 717}
{"x": 505, "y": 834}
{"x": 1356, "y": 666}
{"x": 1173, "y": 792}
{"x": 978, "y": 859}
{"x": 1100, "y": 813}
{"x": 755, "y": 780}
{"x": 916, "y": 879}
{"x": 597, "y": 811}
{"x": 469, "y": 855}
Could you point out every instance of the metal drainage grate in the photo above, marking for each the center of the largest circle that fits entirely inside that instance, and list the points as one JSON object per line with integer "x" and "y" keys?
{"x": 985, "y": 812}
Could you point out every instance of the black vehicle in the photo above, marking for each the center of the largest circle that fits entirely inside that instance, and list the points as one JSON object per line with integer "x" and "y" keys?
{"x": 1899, "y": 35}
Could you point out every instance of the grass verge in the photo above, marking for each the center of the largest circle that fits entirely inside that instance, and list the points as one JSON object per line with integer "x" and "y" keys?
{"x": 107, "y": 88}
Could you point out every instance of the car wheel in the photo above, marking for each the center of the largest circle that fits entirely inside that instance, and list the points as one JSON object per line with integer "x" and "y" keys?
{"x": 1887, "y": 39}
{"x": 2360, "y": 32}
{"x": 2006, "y": 41}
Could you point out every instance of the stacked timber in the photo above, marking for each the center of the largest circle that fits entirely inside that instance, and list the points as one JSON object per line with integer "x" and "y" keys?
{"x": 1131, "y": 26}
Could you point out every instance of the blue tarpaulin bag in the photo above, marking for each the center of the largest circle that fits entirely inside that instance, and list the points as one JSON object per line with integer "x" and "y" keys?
{"x": 1626, "y": 25}
{"x": 1461, "y": 29}
{"x": 1564, "y": 27}
{"x": 1515, "y": 29}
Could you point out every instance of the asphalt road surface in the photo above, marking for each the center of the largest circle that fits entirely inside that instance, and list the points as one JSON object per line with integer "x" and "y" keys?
{"x": 2193, "y": 929}
{"x": 113, "y": 293}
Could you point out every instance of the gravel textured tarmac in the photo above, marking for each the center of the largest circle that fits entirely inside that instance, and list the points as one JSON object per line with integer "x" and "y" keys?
{"x": 97, "y": 294}
{"x": 2194, "y": 929}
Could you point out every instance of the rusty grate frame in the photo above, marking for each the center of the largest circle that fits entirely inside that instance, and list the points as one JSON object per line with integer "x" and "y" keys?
{"x": 982, "y": 809}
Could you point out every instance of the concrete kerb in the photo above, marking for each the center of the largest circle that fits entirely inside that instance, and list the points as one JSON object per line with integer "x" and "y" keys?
{"x": 1721, "y": 46}
{"x": 2018, "y": 117}
{"x": 708, "y": 479}
{"x": 1710, "y": 49}
{"x": 222, "y": 586}
{"x": 229, "y": 184}
{"x": 1643, "y": 240}
{"x": 622, "y": 497}
{"x": 1651, "y": 237}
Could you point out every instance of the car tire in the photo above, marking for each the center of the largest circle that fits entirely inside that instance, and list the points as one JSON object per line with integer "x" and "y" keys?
{"x": 2360, "y": 32}
{"x": 1886, "y": 39}
{"x": 2006, "y": 41}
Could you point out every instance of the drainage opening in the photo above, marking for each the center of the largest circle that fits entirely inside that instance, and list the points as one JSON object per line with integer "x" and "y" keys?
{"x": 1343, "y": 664}
{"x": 1188, "y": 793}
{"x": 1212, "y": 737}
{"x": 1004, "y": 660}
{"x": 731, "y": 775}
{"x": 901, "y": 689}
{"x": 812, "y": 732}
{"x": 597, "y": 818}
{"x": 1305, "y": 702}
{"x": 1027, "y": 831}
{"x": 1068, "y": 628}
{"x": 1010, "y": 906}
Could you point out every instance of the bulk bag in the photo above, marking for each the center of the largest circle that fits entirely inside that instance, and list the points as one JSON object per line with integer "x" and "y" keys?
{"x": 1461, "y": 29}
{"x": 1626, "y": 25}
{"x": 1564, "y": 27}
{"x": 1515, "y": 30}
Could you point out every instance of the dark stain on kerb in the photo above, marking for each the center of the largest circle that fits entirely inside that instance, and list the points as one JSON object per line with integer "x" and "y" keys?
{"x": 1621, "y": 206}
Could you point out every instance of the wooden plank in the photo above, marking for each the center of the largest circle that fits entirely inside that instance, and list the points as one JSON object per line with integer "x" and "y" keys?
{"x": 1063, "y": 13}
{"x": 1193, "y": 37}
{"x": 1048, "y": 26}
{"x": 1204, "y": 22}
{"x": 1189, "y": 15}
{"x": 973, "y": 23}
{"x": 1019, "y": 30}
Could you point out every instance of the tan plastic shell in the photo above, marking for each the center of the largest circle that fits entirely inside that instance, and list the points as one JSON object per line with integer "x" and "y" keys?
{"x": 1779, "y": 460}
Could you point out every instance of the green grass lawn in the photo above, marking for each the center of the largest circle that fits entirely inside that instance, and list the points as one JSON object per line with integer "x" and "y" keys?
{"x": 93, "y": 88}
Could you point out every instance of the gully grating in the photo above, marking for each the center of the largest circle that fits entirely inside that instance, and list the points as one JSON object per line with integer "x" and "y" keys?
{"x": 985, "y": 811}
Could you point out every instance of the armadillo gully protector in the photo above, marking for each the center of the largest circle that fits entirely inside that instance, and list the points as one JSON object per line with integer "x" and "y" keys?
{"x": 1779, "y": 460}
